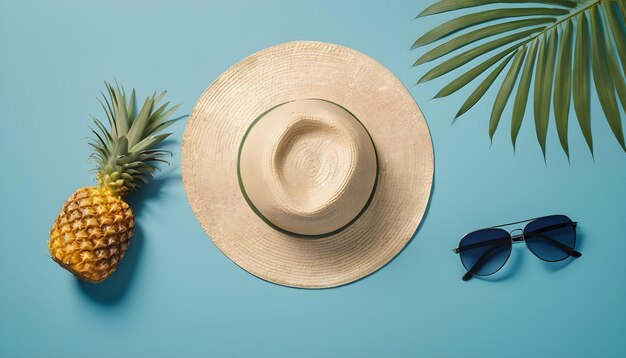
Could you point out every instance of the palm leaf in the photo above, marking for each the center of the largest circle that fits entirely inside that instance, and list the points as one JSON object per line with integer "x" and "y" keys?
{"x": 580, "y": 80}
{"x": 543, "y": 88}
{"x": 617, "y": 31}
{"x": 450, "y": 5}
{"x": 483, "y": 87}
{"x": 466, "y": 21}
{"x": 468, "y": 76}
{"x": 469, "y": 55}
{"x": 620, "y": 84}
{"x": 551, "y": 40}
{"x": 622, "y": 8}
{"x": 619, "y": 36}
{"x": 505, "y": 92}
{"x": 480, "y": 34}
{"x": 521, "y": 98}
{"x": 562, "y": 85}
{"x": 602, "y": 77}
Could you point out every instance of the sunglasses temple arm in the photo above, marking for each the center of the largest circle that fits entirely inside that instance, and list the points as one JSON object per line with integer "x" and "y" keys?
{"x": 468, "y": 275}
{"x": 480, "y": 262}
{"x": 558, "y": 245}
{"x": 502, "y": 241}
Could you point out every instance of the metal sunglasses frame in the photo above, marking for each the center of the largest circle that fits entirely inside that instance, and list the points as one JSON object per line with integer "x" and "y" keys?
{"x": 515, "y": 239}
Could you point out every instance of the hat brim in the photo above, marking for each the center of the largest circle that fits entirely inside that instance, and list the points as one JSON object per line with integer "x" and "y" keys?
{"x": 298, "y": 70}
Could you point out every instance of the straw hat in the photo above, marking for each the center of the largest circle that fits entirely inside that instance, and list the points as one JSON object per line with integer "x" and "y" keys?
{"x": 308, "y": 164}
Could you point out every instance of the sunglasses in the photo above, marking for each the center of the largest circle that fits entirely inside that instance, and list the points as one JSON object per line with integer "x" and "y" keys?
{"x": 484, "y": 252}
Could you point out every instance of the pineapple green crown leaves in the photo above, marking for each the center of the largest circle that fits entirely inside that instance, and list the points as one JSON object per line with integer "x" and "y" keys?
{"x": 125, "y": 153}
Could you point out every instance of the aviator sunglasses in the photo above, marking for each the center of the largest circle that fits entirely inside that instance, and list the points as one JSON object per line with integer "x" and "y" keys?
{"x": 484, "y": 252}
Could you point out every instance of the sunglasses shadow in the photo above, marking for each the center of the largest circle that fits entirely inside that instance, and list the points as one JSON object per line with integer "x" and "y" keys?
{"x": 510, "y": 267}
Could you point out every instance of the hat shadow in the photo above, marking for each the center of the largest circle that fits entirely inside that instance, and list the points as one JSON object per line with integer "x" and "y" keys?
{"x": 113, "y": 290}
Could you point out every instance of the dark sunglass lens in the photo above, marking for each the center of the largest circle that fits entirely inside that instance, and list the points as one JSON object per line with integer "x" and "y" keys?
{"x": 485, "y": 251}
{"x": 551, "y": 238}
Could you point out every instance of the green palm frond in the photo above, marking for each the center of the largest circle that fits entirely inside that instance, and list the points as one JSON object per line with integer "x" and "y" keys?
{"x": 556, "y": 46}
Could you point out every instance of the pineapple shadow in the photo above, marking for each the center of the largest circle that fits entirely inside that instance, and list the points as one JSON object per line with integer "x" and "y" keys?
{"x": 113, "y": 290}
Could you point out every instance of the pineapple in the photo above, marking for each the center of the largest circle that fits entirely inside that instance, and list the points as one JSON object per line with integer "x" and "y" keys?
{"x": 92, "y": 232}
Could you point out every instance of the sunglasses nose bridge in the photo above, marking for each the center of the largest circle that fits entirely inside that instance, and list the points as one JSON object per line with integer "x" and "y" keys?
{"x": 516, "y": 238}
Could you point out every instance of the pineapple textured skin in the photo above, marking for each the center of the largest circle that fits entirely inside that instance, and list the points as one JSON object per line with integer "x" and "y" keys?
{"x": 91, "y": 233}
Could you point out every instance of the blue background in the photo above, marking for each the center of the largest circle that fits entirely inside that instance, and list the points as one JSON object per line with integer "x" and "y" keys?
{"x": 176, "y": 294}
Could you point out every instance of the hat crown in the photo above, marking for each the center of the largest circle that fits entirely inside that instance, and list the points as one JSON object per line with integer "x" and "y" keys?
{"x": 308, "y": 167}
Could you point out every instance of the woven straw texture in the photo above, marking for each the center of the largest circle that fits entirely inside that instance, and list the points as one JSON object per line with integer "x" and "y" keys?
{"x": 287, "y": 72}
